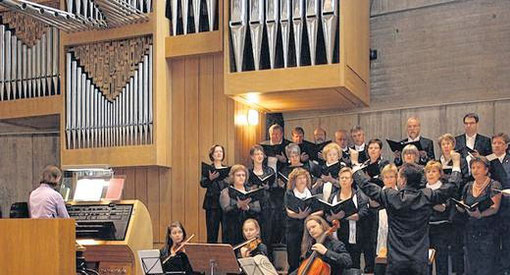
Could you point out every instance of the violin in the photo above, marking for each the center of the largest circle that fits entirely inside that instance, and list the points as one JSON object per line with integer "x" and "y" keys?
{"x": 315, "y": 265}
{"x": 178, "y": 249}
{"x": 250, "y": 244}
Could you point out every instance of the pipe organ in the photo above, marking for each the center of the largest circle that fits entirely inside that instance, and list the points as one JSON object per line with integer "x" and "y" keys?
{"x": 109, "y": 95}
{"x": 318, "y": 18}
{"x": 192, "y": 16}
{"x": 82, "y": 15}
{"x": 29, "y": 58}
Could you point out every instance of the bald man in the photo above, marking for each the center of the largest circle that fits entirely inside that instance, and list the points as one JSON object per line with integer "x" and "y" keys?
{"x": 414, "y": 134}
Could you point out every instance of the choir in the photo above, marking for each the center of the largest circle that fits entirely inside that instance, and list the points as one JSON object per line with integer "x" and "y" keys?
{"x": 294, "y": 191}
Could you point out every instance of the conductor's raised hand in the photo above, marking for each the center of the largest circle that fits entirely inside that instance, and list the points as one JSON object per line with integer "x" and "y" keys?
{"x": 354, "y": 156}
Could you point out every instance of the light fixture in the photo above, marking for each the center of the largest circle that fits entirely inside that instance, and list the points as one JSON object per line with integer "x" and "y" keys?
{"x": 252, "y": 97}
{"x": 253, "y": 117}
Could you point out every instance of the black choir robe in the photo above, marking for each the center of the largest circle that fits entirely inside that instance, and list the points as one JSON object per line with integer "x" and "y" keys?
{"x": 409, "y": 211}
{"x": 234, "y": 217}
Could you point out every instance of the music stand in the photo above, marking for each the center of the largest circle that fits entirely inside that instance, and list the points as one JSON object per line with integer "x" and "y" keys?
{"x": 150, "y": 261}
{"x": 212, "y": 258}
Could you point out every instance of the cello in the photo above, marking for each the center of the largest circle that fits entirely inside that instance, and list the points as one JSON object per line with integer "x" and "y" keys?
{"x": 315, "y": 265}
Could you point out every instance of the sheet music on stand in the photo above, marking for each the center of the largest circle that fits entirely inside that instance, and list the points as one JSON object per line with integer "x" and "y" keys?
{"x": 150, "y": 261}
{"x": 212, "y": 258}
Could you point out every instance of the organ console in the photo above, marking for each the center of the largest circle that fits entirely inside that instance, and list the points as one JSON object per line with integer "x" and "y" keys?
{"x": 112, "y": 233}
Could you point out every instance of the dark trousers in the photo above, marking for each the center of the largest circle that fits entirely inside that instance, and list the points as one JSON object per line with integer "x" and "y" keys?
{"x": 277, "y": 222}
{"x": 457, "y": 248}
{"x": 213, "y": 218}
{"x": 354, "y": 251}
{"x": 379, "y": 269}
{"x": 481, "y": 246}
{"x": 407, "y": 268}
{"x": 266, "y": 228}
{"x": 504, "y": 254}
{"x": 294, "y": 235}
{"x": 369, "y": 241}
{"x": 440, "y": 238}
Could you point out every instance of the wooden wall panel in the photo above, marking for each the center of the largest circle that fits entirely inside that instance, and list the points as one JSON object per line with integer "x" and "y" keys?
{"x": 165, "y": 204}
{"x": 333, "y": 123}
{"x": 501, "y": 114}
{"x": 23, "y": 159}
{"x": 191, "y": 142}
{"x": 178, "y": 137}
{"x": 206, "y": 120}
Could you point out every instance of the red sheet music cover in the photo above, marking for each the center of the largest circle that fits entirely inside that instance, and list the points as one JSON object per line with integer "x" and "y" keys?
{"x": 115, "y": 188}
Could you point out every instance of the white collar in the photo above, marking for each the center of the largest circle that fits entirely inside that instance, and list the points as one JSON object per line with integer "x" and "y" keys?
{"x": 328, "y": 165}
{"x": 473, "y": 137}
{"x": 360, "y": 148}
{"x": 435, "y": 185}
{"x": 502, "y": 157}
{"x": 305, "y": 195}
{"x": 409, "y": 139}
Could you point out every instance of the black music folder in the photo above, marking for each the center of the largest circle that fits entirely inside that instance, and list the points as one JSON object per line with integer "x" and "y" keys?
{"x": 273, "y": 150}
{"x": 399, "y": 145}
{"x": 262, "y": 181}
{"x": 481, "y": 205}
{"x": 284, "y": 178}
{"x": 254, "y": 194}
{"x": 347, "y": 206}
{"x": 296, "y": 204}
{"x": 223, "y": 171}
{"x": 332, "y": 169}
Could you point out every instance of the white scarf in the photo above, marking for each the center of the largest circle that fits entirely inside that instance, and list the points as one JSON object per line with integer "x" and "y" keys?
{"x": 434, "y": 186}
{"x": 305, "y": 195}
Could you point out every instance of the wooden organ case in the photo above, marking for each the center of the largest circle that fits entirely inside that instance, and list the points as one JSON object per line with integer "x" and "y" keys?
{"x": 112, "y": 233}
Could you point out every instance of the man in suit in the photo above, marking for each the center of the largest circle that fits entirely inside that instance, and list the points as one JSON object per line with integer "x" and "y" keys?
{"x": 342, "y": 140}
{"x": 358, "y": 137}
{"x": 478, "y": 144}
{"x": 413, "y": 134}
{"x": 500, "y": 171}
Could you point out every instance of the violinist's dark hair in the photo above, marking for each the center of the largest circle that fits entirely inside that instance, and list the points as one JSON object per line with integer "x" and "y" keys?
{"x": 169, "y": 242}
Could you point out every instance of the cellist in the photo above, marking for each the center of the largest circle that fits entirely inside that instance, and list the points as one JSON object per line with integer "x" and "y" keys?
{"x": 331, "y": 251}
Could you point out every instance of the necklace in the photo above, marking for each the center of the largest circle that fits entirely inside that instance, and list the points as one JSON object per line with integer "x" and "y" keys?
{"x": 479, "y": 188}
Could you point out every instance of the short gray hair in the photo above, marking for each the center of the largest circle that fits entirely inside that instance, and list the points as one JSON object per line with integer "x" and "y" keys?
{"x": 292, "y": 148}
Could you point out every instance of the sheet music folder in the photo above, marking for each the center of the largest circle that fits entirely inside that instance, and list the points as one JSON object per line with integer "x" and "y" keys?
{"x": 212, "y": 258}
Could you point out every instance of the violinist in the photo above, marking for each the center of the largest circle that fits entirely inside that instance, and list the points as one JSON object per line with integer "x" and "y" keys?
{"x": 331, "y": 251}
{"x": 173, "y": 255}
{"x": 251, "y": 231}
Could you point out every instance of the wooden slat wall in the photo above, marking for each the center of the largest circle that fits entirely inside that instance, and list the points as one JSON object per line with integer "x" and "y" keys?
{"x": 435, "y": 121}
{"x": 201, "y": 116}
{"x": 22, "y": 161}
